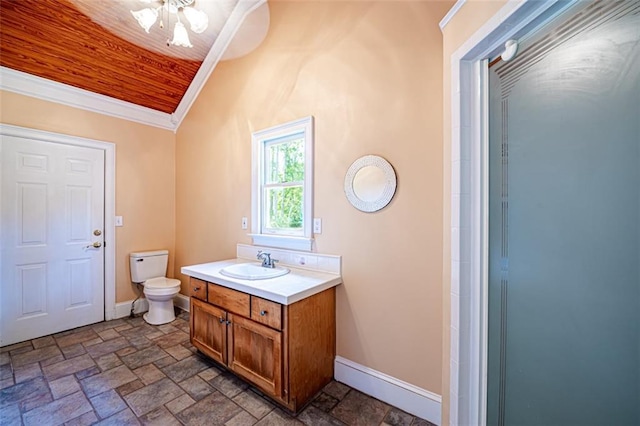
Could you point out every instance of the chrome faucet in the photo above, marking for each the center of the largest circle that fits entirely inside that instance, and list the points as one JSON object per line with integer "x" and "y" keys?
{"x": 267, "y": 261}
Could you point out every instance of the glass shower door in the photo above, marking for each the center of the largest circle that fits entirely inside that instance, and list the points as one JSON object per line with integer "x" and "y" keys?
{"x": 564, "y": 224}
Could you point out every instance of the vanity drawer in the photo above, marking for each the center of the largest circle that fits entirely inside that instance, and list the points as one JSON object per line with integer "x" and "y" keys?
{"x": 228, "y": 299}
{"x": 266, "y": 312}
{"x": 198, "y": 288}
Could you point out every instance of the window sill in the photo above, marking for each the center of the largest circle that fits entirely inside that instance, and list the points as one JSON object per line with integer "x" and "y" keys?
{"x": 281, "y": 241}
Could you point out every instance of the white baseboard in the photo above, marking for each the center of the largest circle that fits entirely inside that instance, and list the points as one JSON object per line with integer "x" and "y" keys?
{"x": 181, "y": 301}
{"x": 123, "y": 309}
{"x": 405, "y": 396}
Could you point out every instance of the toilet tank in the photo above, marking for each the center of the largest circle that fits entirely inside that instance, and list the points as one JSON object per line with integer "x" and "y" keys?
{"x": 148, "y": 264}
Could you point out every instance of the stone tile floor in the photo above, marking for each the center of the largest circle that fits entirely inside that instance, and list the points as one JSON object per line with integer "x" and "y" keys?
{"x": 127, "y": 372}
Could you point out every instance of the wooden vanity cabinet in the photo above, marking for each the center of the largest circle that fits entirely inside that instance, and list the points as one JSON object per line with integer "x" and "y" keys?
{"x": 285, "y": 350}
{"x": 209, "y": 330}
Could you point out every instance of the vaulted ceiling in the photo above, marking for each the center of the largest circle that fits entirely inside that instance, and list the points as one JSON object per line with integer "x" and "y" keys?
{"x": 98, "y": 46}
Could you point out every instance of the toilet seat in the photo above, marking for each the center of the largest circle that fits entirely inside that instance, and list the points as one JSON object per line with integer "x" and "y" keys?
{"x": 161, "y": 283}
{"x": 161, "y": 287}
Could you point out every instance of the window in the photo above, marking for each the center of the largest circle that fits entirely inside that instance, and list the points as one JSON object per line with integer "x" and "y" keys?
{"x": 282, "y": 185}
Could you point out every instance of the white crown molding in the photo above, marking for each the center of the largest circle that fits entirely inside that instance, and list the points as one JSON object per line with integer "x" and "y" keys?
{"x": 451, "y": 13}
{"x": 41, "y": 88}
{"x": 231, "y": 27}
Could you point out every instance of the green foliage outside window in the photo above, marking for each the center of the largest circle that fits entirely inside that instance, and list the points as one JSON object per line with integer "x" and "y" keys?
{"x": 284, "y": 185}
{"x": 285, "y": 208}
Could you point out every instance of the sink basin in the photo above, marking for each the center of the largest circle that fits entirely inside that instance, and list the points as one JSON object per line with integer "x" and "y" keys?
{"x": 252, "y": 271}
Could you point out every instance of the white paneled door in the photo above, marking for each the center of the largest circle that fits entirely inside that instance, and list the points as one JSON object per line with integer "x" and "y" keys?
{"x": 51, "y": 237}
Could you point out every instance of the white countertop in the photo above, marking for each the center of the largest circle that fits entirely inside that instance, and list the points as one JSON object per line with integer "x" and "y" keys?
{"x": 287, "y": 289}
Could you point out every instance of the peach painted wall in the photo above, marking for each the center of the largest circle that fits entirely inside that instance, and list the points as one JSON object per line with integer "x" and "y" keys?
{"x": 145, "y": 173}
{"x": 472, "y": 15}
{"x": 371, "y": 75}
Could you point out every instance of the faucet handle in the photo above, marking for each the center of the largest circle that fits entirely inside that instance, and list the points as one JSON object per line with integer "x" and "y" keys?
{"x": 266, "y": 259}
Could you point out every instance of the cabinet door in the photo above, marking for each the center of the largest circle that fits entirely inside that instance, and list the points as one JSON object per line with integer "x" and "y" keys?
{"x": 255, "y": 353}
{"x": 209, "y": 330}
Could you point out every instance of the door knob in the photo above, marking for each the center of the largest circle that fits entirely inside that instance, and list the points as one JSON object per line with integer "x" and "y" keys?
{"x": 97, "y": 244}
{"x": 97, "y": 232}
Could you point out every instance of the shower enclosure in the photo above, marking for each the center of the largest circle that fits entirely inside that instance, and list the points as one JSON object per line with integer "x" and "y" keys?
{"x": 564, "y": 223}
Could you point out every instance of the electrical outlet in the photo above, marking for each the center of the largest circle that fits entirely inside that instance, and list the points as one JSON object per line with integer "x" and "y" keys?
{"x": 317, "y": 225}
{"x": 119, "y": 221}
{"x": 244, "y": 223}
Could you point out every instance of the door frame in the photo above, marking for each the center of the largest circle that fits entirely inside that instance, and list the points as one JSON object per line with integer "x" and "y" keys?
{"x": 109, "y": 149}
{"x": 517, "y": 19}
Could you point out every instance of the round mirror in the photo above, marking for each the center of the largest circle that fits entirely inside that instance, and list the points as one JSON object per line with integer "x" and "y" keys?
{"x": 370, "y": 183}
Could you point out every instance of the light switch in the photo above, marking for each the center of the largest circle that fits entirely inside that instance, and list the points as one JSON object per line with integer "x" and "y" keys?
{"x": 119, "y": 221}
{"x": 244, "y": 223}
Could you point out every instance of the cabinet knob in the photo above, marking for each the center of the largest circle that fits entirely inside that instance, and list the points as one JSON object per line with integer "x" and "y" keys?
{"x": 196, "y": 289}
{"x": 221, "y": 320}
{"x": 263, "y": 313}
{"x": 228, "y": 322}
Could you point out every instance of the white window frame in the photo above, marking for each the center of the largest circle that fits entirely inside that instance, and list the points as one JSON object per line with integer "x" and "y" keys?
{"x": 259, "y": 140}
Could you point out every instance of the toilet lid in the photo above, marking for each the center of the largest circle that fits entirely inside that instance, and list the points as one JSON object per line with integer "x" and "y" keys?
{"x": 162, "y": 283}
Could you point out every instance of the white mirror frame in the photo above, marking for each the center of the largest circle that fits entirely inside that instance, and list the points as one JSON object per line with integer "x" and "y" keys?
{"x": 386, "y": 192}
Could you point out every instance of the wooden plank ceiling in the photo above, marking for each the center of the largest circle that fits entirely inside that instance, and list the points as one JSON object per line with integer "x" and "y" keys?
{"x": 59, "y": 41}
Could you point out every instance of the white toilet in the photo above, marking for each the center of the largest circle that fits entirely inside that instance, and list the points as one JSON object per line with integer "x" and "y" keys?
{"x": 149, "y": 268}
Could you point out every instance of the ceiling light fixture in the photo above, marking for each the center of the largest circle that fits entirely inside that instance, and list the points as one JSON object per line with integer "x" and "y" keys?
{"x": 198, "y": 20}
